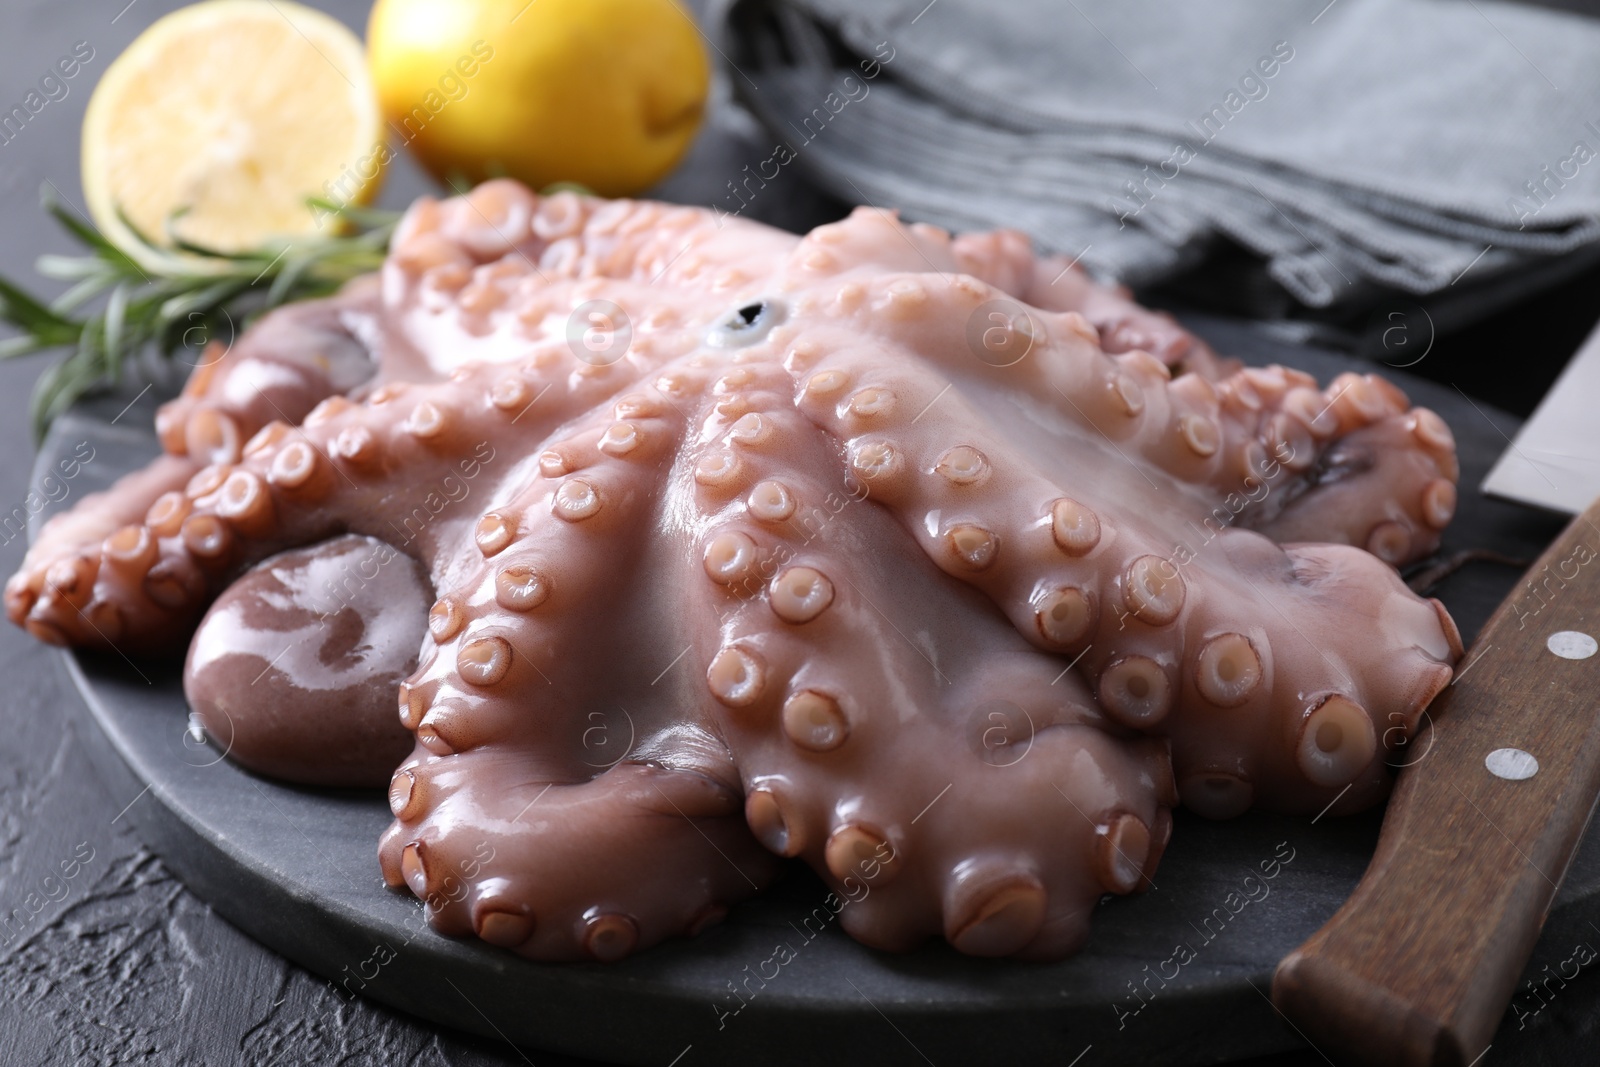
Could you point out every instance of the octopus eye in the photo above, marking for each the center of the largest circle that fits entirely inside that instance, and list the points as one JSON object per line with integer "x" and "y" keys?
{"x": 746, "y": 324}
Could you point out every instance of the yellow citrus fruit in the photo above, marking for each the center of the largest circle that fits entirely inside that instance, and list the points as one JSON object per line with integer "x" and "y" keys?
{"x": 608, "y": 93}
{"x": 231, "y": 113}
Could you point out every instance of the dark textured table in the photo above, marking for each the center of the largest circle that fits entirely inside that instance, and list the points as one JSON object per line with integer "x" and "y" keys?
{"x": 104, "y": 957}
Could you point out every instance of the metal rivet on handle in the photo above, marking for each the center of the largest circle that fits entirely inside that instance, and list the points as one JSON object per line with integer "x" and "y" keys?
{"x": 1570, "y": 644}
{"x": 1512, "y": 764}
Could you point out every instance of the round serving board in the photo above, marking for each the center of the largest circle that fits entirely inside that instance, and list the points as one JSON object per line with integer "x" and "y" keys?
{"x": 1177, "y": 975}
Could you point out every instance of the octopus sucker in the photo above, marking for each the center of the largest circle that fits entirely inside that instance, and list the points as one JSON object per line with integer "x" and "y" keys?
{"x": 922, "y": 560}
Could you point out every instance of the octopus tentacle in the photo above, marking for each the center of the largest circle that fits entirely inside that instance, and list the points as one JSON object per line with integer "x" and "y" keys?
{"x": 542, "y": 557}
{"x": 59, "y": 575}
{"x": 1257, "y": 666}
{"x": 1262, "y": 432}
{"x": 292, "y": 486}
{"x": 501, "y": 231}
{"x": 567, "y": 869}
{"x": 990, "y": 885}
{"x": 1005, "y": 259}
{"x": 1141, "y": 614}
{"x": 278, "y": 370}
{"x": 1410, "y": 455}
{"x": 546, "y": 555}
{"x": 840, "y": 770}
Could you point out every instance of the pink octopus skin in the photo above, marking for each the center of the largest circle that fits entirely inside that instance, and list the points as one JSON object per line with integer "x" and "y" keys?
{"x": 294, "y": 669}
{"x": 926, "y": 560}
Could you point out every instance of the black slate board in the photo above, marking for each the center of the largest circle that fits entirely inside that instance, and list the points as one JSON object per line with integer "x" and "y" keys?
{"x": 295, "y": 868}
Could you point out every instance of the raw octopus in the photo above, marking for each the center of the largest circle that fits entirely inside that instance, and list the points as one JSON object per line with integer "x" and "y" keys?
{"x": 923, "y": 558}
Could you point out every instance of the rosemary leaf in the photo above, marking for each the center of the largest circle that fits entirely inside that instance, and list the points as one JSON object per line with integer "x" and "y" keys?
{"x": 286, "y": 281}
{"x": 161, "y": 301}
{"x": 200, "y": 299}
{"x": 12, "y": 347}
{"x": 69, "y": 268}
{"x": 87, "y": 234}
{"x": 30, "y": 316}
{"x": 82, "y": 293}
{"x": 58, "y": 387}
{"x": 116, "y": 316}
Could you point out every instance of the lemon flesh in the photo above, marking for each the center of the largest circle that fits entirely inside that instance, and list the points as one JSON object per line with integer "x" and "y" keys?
{"x": 607, "y": 93}
{"x": 222, "y": 118}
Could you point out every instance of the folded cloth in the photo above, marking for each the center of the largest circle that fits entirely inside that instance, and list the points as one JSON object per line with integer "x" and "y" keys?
{"x": 1396, "y": 143}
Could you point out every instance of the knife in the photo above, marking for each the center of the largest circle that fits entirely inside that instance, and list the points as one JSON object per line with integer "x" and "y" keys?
{"x": 1418, "y": 966}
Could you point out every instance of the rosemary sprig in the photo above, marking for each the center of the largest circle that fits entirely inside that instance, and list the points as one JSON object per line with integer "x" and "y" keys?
{"x": 169, "y": 302}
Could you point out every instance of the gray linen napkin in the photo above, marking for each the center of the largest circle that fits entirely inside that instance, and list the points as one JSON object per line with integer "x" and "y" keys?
{"x": 1401, "y": 143}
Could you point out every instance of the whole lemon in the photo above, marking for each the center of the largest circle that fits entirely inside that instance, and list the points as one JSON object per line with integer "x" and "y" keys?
{"x": 608, "y": 93}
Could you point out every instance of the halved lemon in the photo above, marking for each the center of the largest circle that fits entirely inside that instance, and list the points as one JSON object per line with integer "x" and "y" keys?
{"x": 221, "y": 119}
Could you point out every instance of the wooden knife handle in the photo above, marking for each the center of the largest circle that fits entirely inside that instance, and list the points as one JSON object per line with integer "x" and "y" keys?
{"x": 1418, "y": 966}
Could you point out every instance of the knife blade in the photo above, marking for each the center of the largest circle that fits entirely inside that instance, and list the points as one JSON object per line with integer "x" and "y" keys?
{"x": 1419, "y": 965}
{"x": 1554, "y": 460}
